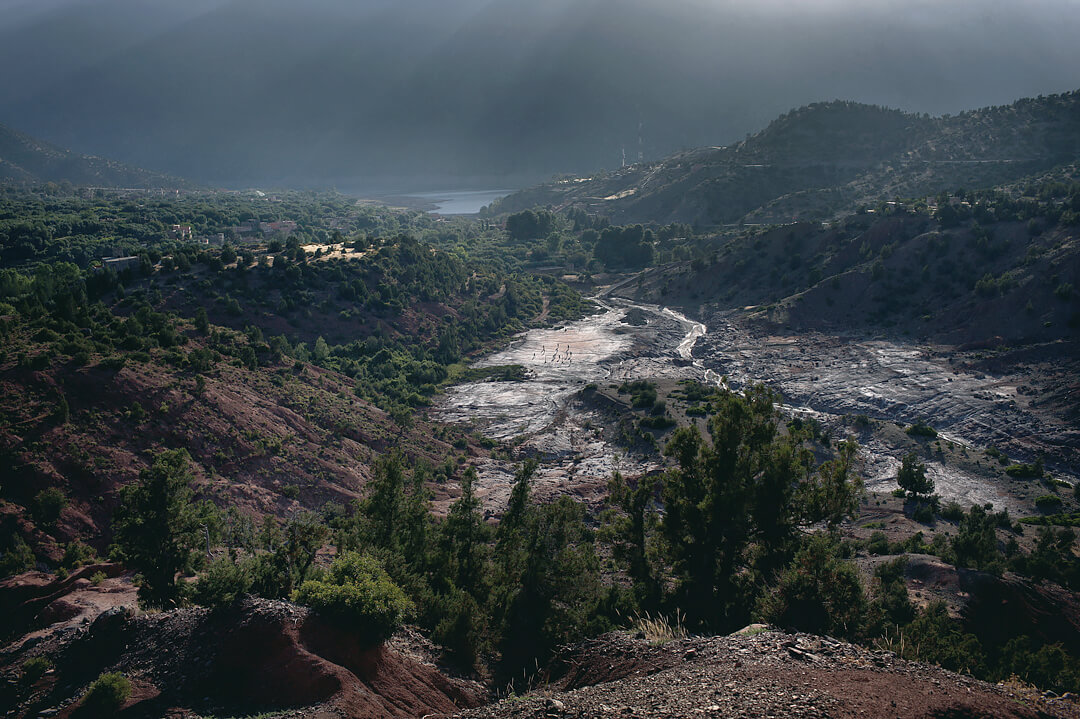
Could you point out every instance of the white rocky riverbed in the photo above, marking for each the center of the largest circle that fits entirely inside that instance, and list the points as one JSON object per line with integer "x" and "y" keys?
{"x": 541, "y": 415}
{"x": 831, "y": 376}
{"x": 821, "y": 376}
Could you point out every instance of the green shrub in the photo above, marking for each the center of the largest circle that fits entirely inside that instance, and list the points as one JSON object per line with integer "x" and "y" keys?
{"x": 878, "y": 544}
{"x": 923, "y": 514}
{"x": 975, "y": 544}
{"x": 76, "y": 554}
{"x": 358, "y": 591}
{"x": 97, "y": 578}
{"x": 15, "y": 556}
{"x": 642, "y": 393}
{"x": 912, "y": 477}
{"x": 1061, "y": 520}
{"x": 34, "y": 668}
{"x": 1044, "y": 665}
{"x": 107, "y": 694}
{"x": 892, "y": 604}
{"x": 460, "y": 628}
{"x": 223, "y": 583}
{"x": 1025, "y": 471}
{"x": 114, "y": 363}
{"x": 997, "y": 454}
{"x": 662, "y": 422}
{"x": 920, "y": 429}
{"x": 1048, "y": 503}
{"x": 137, "y": 414}
{"x": 935, "y": 637}
{"x": 47, "y": 506}
{"x": 953, "y": 512}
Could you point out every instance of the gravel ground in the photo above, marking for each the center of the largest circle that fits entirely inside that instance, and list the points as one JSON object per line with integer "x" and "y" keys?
{"x": 763, "y": 674}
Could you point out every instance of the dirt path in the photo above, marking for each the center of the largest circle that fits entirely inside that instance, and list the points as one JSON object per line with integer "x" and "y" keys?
{"x": 544, "y": 310}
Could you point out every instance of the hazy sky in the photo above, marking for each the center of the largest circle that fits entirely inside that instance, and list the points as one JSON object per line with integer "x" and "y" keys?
{"x": 245, "y": 90}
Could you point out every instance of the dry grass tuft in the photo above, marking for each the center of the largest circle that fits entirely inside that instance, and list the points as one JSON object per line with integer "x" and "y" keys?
{"x": 660, "y": 629}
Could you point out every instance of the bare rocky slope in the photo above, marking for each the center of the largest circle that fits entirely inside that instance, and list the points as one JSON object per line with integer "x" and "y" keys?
{"x": 265, "y": 442}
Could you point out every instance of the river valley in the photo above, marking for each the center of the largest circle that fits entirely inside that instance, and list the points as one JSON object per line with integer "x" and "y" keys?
{"x": 833, "y": 379}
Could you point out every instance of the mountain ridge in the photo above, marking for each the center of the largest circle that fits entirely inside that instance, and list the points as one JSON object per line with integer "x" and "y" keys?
{"x": 865, "y": 154}
{"x": 341, "y": 93}
{"x": 26, "y": 159}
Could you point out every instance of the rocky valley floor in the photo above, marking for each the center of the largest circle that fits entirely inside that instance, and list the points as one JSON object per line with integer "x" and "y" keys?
{"x": 972, "y": 401}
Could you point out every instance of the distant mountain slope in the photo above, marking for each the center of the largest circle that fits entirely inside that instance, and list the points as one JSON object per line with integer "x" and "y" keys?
{"x": 386, "y": 94}
{"x": 26, "y": 159}
{"x": 827, "y": 158}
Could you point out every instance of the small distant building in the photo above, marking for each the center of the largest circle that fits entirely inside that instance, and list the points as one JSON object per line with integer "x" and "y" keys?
{"x": 119, "y": 264}
{"x": 254, "y": 227}
{"x": 285, "y": 227}
{"x": 246, "y": 228}
{"x": 180, "y": 232}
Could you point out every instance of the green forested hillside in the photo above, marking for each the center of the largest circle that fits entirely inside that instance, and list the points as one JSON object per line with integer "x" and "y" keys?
{"x": 25, "y": 159}
{"x": 823, "y": 159}
{"x": 283, "y": 372}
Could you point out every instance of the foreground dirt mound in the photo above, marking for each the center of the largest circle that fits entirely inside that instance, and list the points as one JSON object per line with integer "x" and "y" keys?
{"x": 761, "y": 674}
{"x": 258, "y": 656}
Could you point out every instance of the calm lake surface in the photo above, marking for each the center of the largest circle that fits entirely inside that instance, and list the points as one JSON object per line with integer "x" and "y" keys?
{"x": 460, "y": 202}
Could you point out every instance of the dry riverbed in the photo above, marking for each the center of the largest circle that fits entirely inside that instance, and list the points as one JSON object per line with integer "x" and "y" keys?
{"x": 544, "y": 415}
{"x": 836, "y": 378}
{"x": 885, "y": 383}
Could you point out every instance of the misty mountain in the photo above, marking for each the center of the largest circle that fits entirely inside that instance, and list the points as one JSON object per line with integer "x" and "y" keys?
{"x": 394, "y": 94}
{"x": 829, "y": 158}
{"x": 26, "y": 159}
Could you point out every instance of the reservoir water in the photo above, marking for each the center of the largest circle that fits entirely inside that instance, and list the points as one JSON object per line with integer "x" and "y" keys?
{"x": 460, "y": 202}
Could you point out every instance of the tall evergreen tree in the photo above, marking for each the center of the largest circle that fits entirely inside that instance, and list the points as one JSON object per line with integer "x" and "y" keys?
{"x": 157, "y": 529}
{"x": 912, "y": 477}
